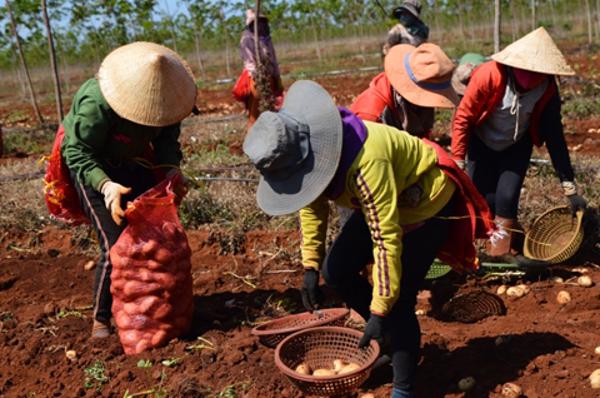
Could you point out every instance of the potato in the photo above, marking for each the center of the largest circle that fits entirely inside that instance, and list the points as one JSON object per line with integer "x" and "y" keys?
{"x": 149, "y": 248}
{"x": 338, "y": 365}
{"x": 526, "y": 288}
{"x": 159, "y": 338}
{"x": 303, "y": 369}
{"x": 595, "y": 379}
{"x": 515, "y": 291}
{"x": 563, "y": 297}
{"x": 511, "y": 390}
{"x": 501, "y": 290}
{"x": 351, "y": 367}
{"x": 585, "y": 281}
{"x": 324, "y": 373}
{"x": 466, "y": 384}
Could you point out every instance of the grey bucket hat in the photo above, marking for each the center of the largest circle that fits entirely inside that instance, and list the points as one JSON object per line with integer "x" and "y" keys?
{"x": 297, "y": 150}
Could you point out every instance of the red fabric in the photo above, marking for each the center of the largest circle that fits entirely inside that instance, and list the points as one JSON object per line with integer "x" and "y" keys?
{"x": 483, "y": 94}
{"x": 60, "y": 195}
{"x": 244, "y": 86}
{"x": 459, "y": 251}
{"x": 369, "y": 104}
{"x": 151, "y": 280}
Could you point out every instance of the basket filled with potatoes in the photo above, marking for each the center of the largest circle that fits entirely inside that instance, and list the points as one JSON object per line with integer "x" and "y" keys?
{"x": 326, "y": 360}
{"x": 272, "y": 332}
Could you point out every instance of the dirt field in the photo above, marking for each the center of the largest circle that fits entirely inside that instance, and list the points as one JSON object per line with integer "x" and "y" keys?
{"x": 45, "y": 293}
{"x": 546, "y": 348}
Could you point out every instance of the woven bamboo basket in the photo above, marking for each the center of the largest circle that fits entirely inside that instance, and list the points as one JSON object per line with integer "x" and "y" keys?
{"x": 555, "y": 236}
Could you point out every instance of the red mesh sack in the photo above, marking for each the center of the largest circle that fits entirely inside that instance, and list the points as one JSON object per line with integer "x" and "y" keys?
{"x": 151, "y": 280}
{"x": 243, "y": 86}
{"x": 59, "y": 192}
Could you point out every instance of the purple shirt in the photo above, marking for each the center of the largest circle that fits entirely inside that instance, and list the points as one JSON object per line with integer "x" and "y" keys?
{"x": 354, "y": 136}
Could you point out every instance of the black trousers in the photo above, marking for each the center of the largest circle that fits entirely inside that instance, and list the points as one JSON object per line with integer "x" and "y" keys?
{"x": 131, "y": 175}
{"x": 499, "y": 176}
{"x": 352, "y": 251}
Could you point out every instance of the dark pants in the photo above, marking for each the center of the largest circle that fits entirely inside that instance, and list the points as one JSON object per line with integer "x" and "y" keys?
{"x": 352, "y": 251}
{"x": 139, "y": 179}
{"x": 499, "y": 175}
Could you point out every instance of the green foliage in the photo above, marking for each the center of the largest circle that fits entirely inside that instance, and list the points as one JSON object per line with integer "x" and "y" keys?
{"x": 95, "y": 376}
{"x": 200, "y": 208}
{"x": 87, "y": 31}
{"x": 580, "y": 107}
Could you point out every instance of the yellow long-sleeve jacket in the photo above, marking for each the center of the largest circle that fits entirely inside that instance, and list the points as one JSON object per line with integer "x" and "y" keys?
{"x": 394, "y": 180}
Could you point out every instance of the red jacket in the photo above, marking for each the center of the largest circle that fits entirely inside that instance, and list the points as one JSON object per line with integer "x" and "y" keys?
{"x": 483, "y": 94}
{"x": 369, "y": 104}
{"x": 474, "y": 222}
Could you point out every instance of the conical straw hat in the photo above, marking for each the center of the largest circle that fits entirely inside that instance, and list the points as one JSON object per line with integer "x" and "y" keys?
{"x": 535, "y": 52}
{"x": 148, "y": 84}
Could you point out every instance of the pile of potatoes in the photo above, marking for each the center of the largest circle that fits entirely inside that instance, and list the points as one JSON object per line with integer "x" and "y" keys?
{"x": 151, "y": 284}
{"x": 340, "y": 367}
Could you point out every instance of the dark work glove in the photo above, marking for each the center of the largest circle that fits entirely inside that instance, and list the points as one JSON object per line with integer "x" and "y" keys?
{"x": 312, "y": 296}
{"x": 373, "y": 330}
{"x": 577, "y": 203}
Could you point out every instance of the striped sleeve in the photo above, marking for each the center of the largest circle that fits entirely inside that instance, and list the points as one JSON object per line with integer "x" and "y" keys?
{"x": 378, "y": 193}
{"x": 313, "y": 223}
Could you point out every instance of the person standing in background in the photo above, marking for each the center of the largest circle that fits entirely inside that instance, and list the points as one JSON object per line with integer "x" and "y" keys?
{"x": 247, "y": 89}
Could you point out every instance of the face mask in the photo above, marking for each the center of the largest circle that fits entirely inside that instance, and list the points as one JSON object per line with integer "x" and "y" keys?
{"x": 528, "y": 80}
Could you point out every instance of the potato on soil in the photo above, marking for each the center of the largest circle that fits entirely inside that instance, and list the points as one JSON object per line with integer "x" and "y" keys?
{"x": 511, "y": 390}
{"x": 595, "y": 379}
{"x": 585, "y": 281}
{"x": 466, "y": 384}
{"x": 563, "y": 297}
{"x": 515, "y": 291}
{"x": 303, "y": 369}
{"x": 501, "y": 290}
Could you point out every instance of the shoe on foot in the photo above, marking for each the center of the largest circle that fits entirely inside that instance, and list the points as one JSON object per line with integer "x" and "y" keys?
{"x": 100, "y": 330}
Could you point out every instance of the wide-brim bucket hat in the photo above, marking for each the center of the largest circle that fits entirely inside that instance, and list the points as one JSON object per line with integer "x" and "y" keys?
{"x": 297, "y": 150}
{"x": 148, "y": 84}
{"x": 535, "y": 52}
{"x": 422, "y": 75}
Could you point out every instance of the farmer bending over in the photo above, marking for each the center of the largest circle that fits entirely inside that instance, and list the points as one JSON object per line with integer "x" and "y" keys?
{"x": 512, "y": 103}
{"x": 122, "y": 126}
{"x": 312, "y": 152}
{"x": 416, "y": 80}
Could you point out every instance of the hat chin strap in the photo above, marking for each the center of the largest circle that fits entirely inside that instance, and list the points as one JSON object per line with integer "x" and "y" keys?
{"x": 423, "y": 84}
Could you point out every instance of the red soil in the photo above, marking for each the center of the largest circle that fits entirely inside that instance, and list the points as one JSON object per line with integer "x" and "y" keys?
{"x": 547, "y": 349}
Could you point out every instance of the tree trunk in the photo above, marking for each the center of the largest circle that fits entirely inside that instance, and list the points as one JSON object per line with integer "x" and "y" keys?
{"x": 533, "y": 15}
{"x": 227, "y": 56}
{"x": 317, "y": 44}
{"x": 497, "y": 22}
{"x": 514, "y": 23}
{"x": 588, "y": 12}
{"x": 57, "y": 93}
{"x": 198, "y": 56}
{"x": 34, "y": 103}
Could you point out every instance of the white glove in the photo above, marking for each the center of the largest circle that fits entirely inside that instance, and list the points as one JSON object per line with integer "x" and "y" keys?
{"x": 112, "y": 199}
{"x": 461, "y": 163}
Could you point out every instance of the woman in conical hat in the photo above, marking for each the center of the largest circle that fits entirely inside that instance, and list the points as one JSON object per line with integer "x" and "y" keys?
{"x": 510, "y": 104}
{"x": 131, "y": 109}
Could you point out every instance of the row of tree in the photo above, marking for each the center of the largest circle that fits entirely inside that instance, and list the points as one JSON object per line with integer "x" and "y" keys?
{"x": 87, "y": 30}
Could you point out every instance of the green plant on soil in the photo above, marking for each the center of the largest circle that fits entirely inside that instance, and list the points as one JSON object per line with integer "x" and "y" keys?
{"x": 157, "y": 391}
{"x": 144, "y": 363}
{"x": 202, "y": 344}
{"x": 234, "y": 390}
{"x": 95, "y": 376}
{"x": 65, "y": 313}
{"x": 171, "y": 362}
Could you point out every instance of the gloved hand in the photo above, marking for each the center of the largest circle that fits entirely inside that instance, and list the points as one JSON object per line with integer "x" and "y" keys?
{"x": 373, "y": 330}
{"x": 112, "y": 199}
{"x": 577, "y": 202}
{"x": 181, "y": 186}
{"x": 312, "y": 296}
